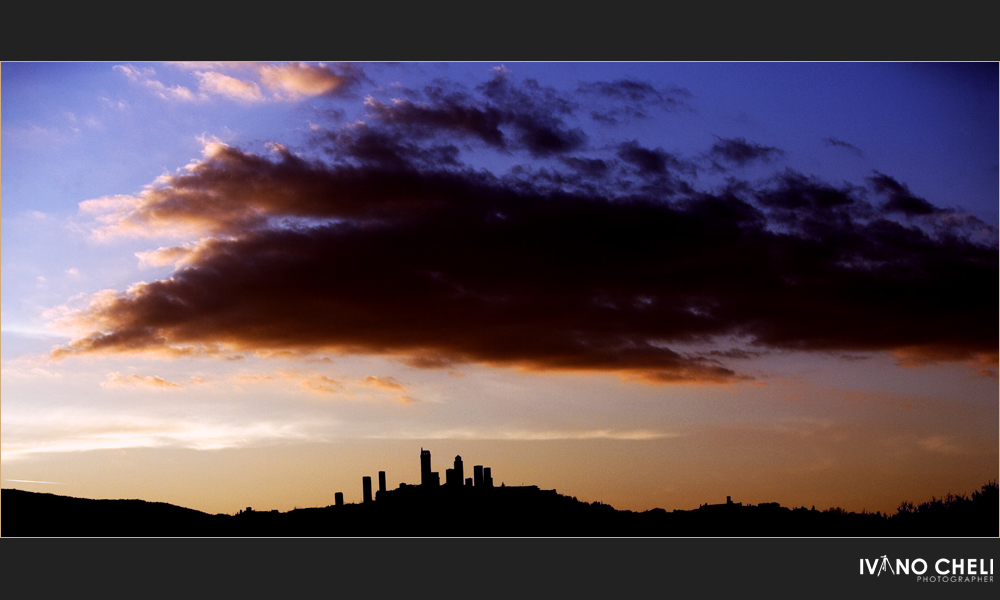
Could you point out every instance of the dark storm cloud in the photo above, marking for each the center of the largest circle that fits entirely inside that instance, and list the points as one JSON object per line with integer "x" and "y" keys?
{"x": 537, "y": 113}
{"x": 650, "y": 162}
{"x": 368, "y": 146}
{"x": 395, "y": 247}
{"x": 740, "y": 152}
{"x": 900, "y": 199}
{"x": 533, "y": 115}
{"x": 940, "y": 222}
{"x": 587, "y": 167}
{"x": 454, "y": 114}
{"x": 811, "y": 207}
{"x": 352, "y": 76}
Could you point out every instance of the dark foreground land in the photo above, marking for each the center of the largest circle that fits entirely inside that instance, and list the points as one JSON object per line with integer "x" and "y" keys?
{"x": 492, "y": 512}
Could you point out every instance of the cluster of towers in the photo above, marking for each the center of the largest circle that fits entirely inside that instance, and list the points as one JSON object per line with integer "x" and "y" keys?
{"x": 482, "y": 477}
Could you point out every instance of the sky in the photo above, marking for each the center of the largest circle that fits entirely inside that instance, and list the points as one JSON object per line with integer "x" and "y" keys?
{"x": 645, "y": 284}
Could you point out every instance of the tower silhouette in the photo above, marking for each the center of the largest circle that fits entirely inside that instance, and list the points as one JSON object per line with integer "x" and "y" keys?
{"x": 425, "y": 467}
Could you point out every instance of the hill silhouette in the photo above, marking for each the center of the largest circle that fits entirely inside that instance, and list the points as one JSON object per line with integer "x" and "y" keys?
{"x": 524, "y": 511}
{"x": 473, "y": 507}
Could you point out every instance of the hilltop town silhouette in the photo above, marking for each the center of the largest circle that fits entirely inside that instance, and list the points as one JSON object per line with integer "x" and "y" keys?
{"x": 475, "y": 507}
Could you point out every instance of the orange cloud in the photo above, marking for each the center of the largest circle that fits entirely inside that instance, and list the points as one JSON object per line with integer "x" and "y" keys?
{"x": 212, "y": 82}
{"x": 317, "y": 383}
{"x": 385, "y": 383}
{"x": 927, "y": 355}
{"x": 298, "y": 79}
{"x": 167, "y": 256}
{"x": 116, "y": 380}
{"x": 389, "y": 385}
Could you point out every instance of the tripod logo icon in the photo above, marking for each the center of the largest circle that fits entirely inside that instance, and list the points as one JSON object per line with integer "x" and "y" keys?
{"x": 885, "y": 565}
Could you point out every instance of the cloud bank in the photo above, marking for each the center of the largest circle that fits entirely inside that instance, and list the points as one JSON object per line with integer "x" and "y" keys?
{"x": 388, "y": 240}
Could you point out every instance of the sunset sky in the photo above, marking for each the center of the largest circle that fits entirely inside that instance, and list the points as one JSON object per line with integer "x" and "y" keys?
{"x": 646, "y": 284}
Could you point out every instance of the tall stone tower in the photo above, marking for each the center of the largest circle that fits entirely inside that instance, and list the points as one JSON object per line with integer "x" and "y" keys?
{"x": 425, "y": 467}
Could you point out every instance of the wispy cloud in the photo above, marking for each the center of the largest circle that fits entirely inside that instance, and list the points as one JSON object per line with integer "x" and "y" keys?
{"x": 145, "y": 76}
{"x": 940, "y": 444}
{"x": 831, "y": 141}
{"x": 73, "y": 431}
{"x": 740, "y": 152}
{"x": 32, "y": 481}
{"x": 214, "y": 83}
{"x": 627, "y": 99}
{"x": 370, "y": 388}
{"x": 388, "y": 385}
{"x": 529, "y": 435}
{"x": 116, "y": 380}
{"x": 316, "y": 382}
{"x": 29, "y": 366}
{"x": 250, "y": 82}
